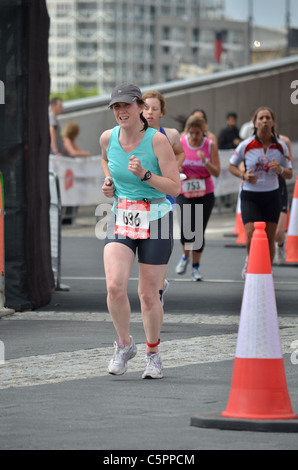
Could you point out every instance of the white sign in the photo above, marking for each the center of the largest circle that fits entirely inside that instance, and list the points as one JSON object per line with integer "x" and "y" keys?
{"x": 80, "y": 179}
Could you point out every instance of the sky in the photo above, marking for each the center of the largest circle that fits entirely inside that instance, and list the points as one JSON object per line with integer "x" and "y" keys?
{"x": 265, "y": 12}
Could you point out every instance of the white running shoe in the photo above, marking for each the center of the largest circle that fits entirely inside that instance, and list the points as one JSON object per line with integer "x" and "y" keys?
{"x": 122, "y": 354}
{"x": 244, "y": 269}
{"x": 165, "y": 288}
{"x": 153, "y": 367}
{"x": 280, "y": 255}
{"x": 196, "y": 274}
{"x": 182, "y": 265}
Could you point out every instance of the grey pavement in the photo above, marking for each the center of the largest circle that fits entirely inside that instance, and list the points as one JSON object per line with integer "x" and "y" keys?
{"x": 56, "y": 392}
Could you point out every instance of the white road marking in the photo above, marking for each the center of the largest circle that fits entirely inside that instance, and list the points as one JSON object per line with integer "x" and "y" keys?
{"x": 179, "y": 279}
{"x": 90, "y": 363}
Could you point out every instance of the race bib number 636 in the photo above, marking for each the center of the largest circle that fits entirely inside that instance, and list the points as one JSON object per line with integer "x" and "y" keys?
{"x": 132, "y": 219}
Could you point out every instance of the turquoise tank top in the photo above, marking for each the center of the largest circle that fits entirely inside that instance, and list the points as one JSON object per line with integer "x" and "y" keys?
{"x": 129, "y": 186}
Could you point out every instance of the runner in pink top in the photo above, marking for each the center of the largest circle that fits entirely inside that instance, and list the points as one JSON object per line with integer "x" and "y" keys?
{"x": 201, "y": 162}
{"x": 199, "y": 181}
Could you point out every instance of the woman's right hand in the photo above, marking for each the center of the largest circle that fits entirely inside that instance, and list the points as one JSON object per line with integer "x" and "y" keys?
{"x": 108, "y": 187}
{"x": 250, "y": 177}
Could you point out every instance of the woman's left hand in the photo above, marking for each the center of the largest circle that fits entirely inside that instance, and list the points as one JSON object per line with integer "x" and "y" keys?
{"x": 202, "y": 156}
{"x": 274, "y": 165}
{"x": 135, "y": 166}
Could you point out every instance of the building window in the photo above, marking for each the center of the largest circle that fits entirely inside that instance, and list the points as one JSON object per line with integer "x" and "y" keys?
{"x": 166, "y": 33}
{"x": 63, "y": 10}
{"x": 63, "y": 30}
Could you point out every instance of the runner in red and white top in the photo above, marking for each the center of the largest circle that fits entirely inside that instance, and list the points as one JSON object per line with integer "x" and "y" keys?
{"x": 258, "y": 162}
{"x": 265, "y": 158}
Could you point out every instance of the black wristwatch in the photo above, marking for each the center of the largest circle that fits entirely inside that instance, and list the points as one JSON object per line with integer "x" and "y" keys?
{"x": 147, "y": 176}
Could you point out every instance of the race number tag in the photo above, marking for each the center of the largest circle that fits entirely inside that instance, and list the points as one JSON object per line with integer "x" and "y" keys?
{"x": 194, "y": 188}
{"x": 132, "y": 219}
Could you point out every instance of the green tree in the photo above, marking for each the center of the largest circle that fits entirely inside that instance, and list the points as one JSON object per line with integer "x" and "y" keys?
{"x": 75, "y": 92}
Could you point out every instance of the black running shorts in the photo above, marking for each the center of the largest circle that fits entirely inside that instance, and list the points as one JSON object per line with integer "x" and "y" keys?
{"x": 260, "y": 206}
{"x": 154, "y": 250}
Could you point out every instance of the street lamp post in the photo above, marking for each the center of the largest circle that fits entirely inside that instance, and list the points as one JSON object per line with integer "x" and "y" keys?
{"x": 288, "y": 26}
{"x": 250, "y": 25}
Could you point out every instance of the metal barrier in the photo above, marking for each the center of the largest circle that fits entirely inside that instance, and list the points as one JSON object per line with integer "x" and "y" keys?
{"x": 3, "y": 310}
{"x": 55, "y": 227}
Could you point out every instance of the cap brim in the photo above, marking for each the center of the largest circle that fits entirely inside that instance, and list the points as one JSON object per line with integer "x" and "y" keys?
{"x": 123, "y": 99}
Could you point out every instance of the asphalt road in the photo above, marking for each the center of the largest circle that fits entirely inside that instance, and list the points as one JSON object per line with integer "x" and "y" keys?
{"x": 56, "y": 393}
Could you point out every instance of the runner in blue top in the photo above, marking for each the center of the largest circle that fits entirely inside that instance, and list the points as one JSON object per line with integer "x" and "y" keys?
{"x": 155, "y": 109}
{"x": 140, "y": 169}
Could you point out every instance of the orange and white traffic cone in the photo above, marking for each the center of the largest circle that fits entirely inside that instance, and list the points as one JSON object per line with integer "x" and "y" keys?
{"x": 292, "y": 238}
{"x": 241, "y": 239}
{"x": 259, "y": 388}
{"x": 259, "y": 398}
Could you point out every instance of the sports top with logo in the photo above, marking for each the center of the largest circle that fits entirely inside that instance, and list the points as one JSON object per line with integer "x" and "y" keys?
{"x": 251, "y": 151}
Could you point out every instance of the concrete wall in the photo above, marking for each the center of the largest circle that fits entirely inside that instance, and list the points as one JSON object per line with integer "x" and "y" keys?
{"x": 241, "y": 90}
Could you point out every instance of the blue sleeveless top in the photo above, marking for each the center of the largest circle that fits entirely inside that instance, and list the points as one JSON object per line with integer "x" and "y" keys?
{"x": 129, "y": 186}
